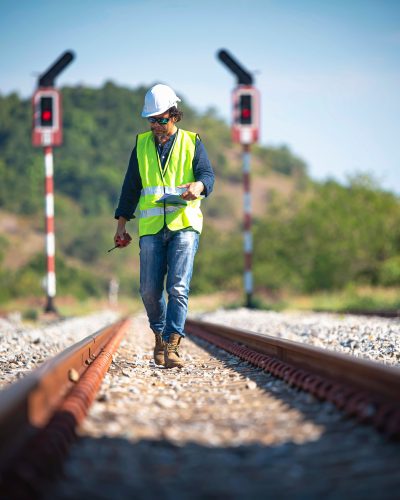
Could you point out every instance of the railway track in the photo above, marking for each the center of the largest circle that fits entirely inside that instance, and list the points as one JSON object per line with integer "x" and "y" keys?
{"x": 222, "y": 427}
{"x": 366, "y": 390}
{"x": 39, "y": 414}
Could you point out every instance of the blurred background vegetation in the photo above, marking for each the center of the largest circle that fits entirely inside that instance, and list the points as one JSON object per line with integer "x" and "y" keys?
{"x": 309, "y": 237}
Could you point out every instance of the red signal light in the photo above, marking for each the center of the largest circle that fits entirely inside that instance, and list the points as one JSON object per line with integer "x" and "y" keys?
{"x": 46, "y": 111}
{"x": 46, "y": 115}
{"x": 245, "y": 107}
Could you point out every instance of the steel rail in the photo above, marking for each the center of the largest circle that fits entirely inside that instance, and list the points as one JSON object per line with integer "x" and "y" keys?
{"x": 381, "y": 313}
{"x": 363, "y": 388}
{"x": 28, "y": 405}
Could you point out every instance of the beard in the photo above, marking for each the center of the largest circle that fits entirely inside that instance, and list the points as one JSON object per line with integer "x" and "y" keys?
{"x": 160, "y": 135}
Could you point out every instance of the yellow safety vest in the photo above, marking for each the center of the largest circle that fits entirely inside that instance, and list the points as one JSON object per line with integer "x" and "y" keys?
{"x": 157, "y": 181}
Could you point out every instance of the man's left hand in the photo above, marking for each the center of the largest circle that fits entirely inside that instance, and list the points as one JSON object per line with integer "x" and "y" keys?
{"x": 193, "y": 190}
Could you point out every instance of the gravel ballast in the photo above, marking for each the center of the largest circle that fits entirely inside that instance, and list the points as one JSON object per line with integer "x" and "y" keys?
{"x": 23, "y": 347}
{"x": 218, "y": 428}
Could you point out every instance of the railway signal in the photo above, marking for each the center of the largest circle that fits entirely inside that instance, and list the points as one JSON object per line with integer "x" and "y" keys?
{"x": 46, "y": 133}
{"x": 47, "y": 126}
{"x": 245, "y": 115}
{"x": 245, "y": 131}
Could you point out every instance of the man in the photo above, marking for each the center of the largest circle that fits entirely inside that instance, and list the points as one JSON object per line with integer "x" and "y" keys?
{"x": 165, "y": 161}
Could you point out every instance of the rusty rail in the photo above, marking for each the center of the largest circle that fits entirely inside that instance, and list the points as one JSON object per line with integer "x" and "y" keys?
{"x": 365, "y": 389}
{"x": 27, "y": 406}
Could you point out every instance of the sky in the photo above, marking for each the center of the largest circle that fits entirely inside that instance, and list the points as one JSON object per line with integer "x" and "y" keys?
{"x": 328, "y": 72}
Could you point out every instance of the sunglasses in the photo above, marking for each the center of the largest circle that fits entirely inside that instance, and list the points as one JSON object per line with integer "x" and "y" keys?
{"x": 161, "y": 121}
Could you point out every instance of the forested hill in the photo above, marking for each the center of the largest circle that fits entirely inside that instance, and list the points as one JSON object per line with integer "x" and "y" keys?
{"x": 307, "y": 235}
{"x": 100, "y": 126}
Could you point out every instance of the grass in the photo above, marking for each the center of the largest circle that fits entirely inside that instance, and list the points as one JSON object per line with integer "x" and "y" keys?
{"x": 351, "y": 299}
{"x": 31, "y": 309}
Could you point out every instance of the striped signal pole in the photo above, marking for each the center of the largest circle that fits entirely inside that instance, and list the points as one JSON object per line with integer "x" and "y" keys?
{"x": 247, "y": 234}
{"x": 245, "y": 131}
{"x": 50, "y": 238}
{"x": 47, "y": 133}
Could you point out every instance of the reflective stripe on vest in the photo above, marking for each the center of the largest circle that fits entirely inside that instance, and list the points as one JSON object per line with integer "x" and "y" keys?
{"x": 157, "y": 180}
{"x": 157, "y": 190}
{"x": 157, "y": 211}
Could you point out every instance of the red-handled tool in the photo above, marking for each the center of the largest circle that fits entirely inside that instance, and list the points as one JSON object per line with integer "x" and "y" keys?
{"x": 122, "y": 242}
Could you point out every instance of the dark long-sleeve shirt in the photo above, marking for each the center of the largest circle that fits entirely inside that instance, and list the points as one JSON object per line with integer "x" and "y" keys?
{"x": 132, "y": 185}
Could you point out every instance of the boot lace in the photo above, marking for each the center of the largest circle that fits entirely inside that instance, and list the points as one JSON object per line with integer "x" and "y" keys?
{"x": 173, "y": 348}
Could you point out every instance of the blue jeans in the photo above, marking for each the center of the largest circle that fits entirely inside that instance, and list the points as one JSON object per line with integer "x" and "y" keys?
{"x": 168, "y": 253}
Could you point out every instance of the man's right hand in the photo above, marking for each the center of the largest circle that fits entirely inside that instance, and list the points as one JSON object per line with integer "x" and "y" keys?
{"x": 122, "y": 240}
{"x": 121, "y": 237}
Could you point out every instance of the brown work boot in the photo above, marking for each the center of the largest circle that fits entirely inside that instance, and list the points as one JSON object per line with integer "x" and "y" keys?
{"x": 171, "y": 351}
{"x": 159, "y": 350}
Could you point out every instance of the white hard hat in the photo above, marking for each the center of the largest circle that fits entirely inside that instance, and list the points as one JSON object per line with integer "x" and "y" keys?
{"x": 158, "y": 100}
